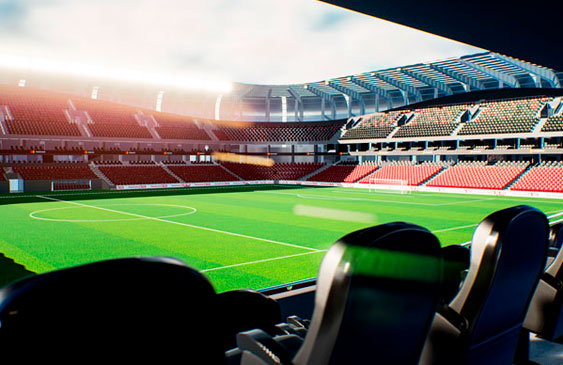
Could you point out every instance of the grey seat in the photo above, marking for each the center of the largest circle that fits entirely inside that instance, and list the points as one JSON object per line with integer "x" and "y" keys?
{"x": 130, "y": 309}
{"x": 377, "y": 292}
{"x": 482, "y": 324}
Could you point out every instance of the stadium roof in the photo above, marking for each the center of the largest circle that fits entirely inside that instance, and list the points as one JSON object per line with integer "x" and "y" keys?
{"x": 529, "y": 32}
{"x": 358, "y": 94}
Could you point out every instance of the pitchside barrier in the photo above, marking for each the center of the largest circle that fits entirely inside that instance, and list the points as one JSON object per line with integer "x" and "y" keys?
{"x": 528, "y": 194}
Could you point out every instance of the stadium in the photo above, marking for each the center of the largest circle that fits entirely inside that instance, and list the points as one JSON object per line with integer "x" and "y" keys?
{"x": 406, "y": 214}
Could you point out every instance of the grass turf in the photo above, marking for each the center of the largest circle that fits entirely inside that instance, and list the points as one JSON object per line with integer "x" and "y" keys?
{"x": 252, "y": 237}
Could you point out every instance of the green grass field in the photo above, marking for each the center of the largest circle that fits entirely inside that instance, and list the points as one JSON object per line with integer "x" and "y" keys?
{"x": 239, "y": 237}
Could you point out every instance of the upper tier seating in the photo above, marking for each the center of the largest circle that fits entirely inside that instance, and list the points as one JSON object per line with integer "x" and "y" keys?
{"x": 479, "y": 176}
{"x": 402, "y": 174}
{"x": 202, "y": 173}
{"x": 553, "y": 124}
{"x": 482, "y": 324}
{"x": 132, "y": 175}
{"x": 279, "y": 171}
{"x": 112, "y": 120}
{"x": 55, "y": 172}
{"x": 374, "y": 126}
{"x": 277, "y": 132}
{"x": 435, "y": 121}
{"x": 173, "y": 126}
{"x": 377, "y": 291}
{"x": 129, "y": 310}
{"x": 34, "y": 112}
{"x": 548, "y": 176}
{"x": 343, "y": 173}
{"x": 509, "y": 116}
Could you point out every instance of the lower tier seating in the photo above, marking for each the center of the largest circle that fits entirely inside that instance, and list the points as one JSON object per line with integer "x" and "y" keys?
{"x": 402, "y": 174}
{"x": 343, "y": 173}
{"x": 279, "y": 171}
{"x": 203, "y": 173}
{"x": 479, "y": 176}
{"x": 54, "y": 172}
{"x": 130, "y": 175}
{"x": 545, "y": 177}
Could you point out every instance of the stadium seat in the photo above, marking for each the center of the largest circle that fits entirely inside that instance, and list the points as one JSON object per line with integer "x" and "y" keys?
{"x": 545, "y": 314}
{"x": 377, "y": 292}
{"x": 456, "y": 263}
{"x": 241, "y": 310}
{"x": 482, "y": 323}
{"x": 124, "y": 309}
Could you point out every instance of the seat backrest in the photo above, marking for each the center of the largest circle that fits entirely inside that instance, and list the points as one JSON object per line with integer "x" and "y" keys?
{"x": 123, "y": 308}
{"x": 242, "y": 310}
{"x": 555, "y": 269}
{"x": 377, "y": 292}
{"x": 508, "y": 254}
{"x": 545, "y": 313}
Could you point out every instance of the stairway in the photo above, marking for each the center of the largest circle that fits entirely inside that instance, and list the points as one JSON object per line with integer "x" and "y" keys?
{"x": 304, "y": 178}
{"x": 100, "y": 174}
{"x": 170, "y": 172}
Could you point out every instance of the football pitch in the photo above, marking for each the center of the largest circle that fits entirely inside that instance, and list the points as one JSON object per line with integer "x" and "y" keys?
{"x": 251, "y": 237}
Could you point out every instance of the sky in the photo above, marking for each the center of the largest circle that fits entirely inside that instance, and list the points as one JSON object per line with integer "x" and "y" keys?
{"x": 249, "y": 41}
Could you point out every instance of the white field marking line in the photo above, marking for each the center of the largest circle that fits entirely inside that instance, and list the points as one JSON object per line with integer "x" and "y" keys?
{"x": 468, "y": 199}
{"x": 424, "y": 194}
{"x": 260, "y": 261}
{"x": 474, "y": 225}
{"x": 184, "y": 224}
{"x": 32, "y": 214}
{"x": 455, "y": 228}
{"x": 320, "y": 197}
{"x": 555, "y": 222}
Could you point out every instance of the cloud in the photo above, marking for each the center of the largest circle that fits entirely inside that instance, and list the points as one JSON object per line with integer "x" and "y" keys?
{"x": 252, "y": 41}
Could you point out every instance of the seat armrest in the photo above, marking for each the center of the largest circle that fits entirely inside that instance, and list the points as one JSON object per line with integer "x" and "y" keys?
{"x": 454, "y": 318}
{"x": 263, "y": 346}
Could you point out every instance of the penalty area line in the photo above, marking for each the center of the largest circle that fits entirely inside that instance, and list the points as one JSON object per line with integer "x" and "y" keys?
{"x": 260, "y": 261}
{"x": 182, "y": 224}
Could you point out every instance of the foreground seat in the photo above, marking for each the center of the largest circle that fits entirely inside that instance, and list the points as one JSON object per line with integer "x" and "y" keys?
{"x": 482, "y": 324}
{"x": 377, "y": 292}
{"x": 129, "y": 309}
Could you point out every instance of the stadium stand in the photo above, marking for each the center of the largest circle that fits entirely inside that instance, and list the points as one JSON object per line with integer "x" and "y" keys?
{"x": 34, "y": 112}
{"x": 374, "y": 126}
{"x": 434, "y": 121}
{"x": 359, "y": 313}
{"x": 482, "y": 324}
{"x": 55, "y": 172}
{"x": 131, "y": 175}
{"x": 547, "y": 176}
{"x": 553, "y": 124}
{"x": 343, "y": 173}
{"x": 278, "y": 132}
{"x": 112, "y": 120}
{"x": 509, "y": 116}
{"x": 478, "y": 175}
{"x": 202, "y": 173}
{"x": 171, "y": 126}
{"x": 280, "y": 171}
{"x": 410, "y": 174}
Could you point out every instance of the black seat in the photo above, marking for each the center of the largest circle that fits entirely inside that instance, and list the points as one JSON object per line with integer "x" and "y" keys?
{"x": 377, "y": 292}
{"x": 244, "y": 309}
{"x": 482, "y": 323}
{"x": 129, "y": 309}
{"x": 545, "y": 314}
